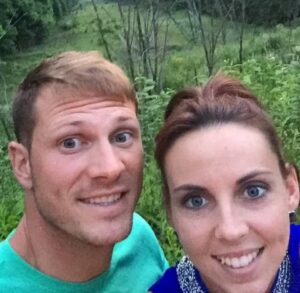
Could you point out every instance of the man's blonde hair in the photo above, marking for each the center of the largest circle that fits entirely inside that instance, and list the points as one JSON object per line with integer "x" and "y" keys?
{"x": 82, "y": 72}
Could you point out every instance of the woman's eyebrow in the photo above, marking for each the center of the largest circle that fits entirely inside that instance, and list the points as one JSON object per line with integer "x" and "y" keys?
{"x": 252, "y": 175}
{"x": 188, "y": 187}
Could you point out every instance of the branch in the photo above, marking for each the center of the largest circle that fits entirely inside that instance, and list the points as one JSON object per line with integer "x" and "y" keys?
{"x": 11, "y": 24}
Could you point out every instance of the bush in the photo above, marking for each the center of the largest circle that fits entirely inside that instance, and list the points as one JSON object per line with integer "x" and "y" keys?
{"x": 277, "y": 85}
{"x": 68, "y": 24}
{"x": 184, "y": 70}
{"x": 150, "y": 204}
{"x": 11, "y": 204}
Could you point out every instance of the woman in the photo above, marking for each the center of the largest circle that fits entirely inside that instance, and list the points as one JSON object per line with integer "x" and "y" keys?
{"x": 228, "y": 193}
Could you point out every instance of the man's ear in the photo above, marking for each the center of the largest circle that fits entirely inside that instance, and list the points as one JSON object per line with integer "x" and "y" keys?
{"x": 293, "y": 188}
{"x": 19, "y": 158}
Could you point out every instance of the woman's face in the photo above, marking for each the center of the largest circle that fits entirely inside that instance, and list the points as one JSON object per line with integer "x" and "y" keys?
{"x": 229, "y": 205}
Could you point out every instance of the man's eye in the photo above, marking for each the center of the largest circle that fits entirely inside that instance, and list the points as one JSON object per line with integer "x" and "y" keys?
{"x": 255, "y": 191}
{"x": 123, "y": 137}
{"x": 196, "y": 202}
{"x": 71, "y": 143}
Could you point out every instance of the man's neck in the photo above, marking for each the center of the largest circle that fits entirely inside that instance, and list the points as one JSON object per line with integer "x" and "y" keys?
{"x": 58, "y": 255}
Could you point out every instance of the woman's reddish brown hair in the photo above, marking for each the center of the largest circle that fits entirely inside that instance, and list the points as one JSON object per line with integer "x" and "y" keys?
{"x": 221, "y": 100}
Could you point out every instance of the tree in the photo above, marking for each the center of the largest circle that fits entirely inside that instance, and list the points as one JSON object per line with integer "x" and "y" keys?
{"x": 26, "y": 22}
{"x": 144, "y": 34}
{"x": 62, "y": 8}
{"x": 268, "y": 13}
{"x": 197, "y": 32}
{"x": 35, "y": 17}
{"x": 102, "y": 31}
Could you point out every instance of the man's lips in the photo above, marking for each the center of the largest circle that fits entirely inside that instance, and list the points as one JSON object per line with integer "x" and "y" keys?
{"x": 103, "y": 200}
{"x": 239, "y": 260}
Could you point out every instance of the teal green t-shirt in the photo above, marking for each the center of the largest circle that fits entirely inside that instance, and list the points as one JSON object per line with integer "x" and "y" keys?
{"x": 137, "y": 262}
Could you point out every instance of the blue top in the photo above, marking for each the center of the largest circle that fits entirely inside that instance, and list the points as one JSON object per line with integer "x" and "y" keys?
{"x": 184, "y": 277}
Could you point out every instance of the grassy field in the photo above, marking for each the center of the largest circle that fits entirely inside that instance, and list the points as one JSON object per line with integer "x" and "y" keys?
{"x": 271, "y": 69}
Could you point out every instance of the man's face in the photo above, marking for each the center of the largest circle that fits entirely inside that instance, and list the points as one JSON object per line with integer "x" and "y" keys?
{"x": 86, "y": 163}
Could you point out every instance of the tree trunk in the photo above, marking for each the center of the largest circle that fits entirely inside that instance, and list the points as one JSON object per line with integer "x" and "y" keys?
{"x": 101, "y": 31}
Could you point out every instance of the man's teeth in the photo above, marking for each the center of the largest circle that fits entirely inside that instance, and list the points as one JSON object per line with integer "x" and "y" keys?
{"x": 239, "y": 262}
{"x": 103, "y": 200}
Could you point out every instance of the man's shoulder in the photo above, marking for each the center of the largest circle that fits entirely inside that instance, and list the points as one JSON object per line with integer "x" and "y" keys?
{"x": 9, "y": 270}
{"x": 140, "y": 225}
{"x": 140, "y": 246}
{"x": 2, "y": 243}
{"x": 4, "y": 249}
{"x": 138, "y": 260}
{"x": 140, "y": 234}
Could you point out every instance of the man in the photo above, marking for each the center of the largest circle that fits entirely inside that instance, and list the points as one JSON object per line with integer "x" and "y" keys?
{"x": 79, "y": 158}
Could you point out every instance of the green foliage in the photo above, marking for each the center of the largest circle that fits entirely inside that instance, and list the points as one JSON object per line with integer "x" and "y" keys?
{"x": 277, "y": 84}
{"x": 151, "y": 207}
{"x": 184, "y": 69}
{"x": 11, "y": 205}
{"x": 151, "y": 108}
{"x": 68, "y": 24}
{"x": 11, "y": 211}
{"x": 27, "y": 22}
{"x": 151, "y": 112}
{"x": 270, "y": 12}
{"x": 262, "y": 12}
{"x": 58, "y": 9}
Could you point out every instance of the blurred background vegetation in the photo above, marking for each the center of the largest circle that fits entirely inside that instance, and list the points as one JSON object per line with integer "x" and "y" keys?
{"x": 163, "y": 45}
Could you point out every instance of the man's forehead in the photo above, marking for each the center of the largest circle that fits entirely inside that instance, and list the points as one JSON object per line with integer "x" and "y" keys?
{"x": 67, "y": 92}
{"x": 56, "y": 95}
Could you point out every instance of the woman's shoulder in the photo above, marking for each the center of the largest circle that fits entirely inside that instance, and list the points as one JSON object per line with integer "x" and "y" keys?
{"x": 294, "y": 237}
{"x": 184, "y": 277}
{"x": 295, "y": 228}
{"x": 167, "y": 283}
{"x": 294, "y": 256}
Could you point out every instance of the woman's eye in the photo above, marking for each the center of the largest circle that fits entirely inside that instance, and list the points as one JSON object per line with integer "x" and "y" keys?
{"x": 196, "y": 202}
{"x": 254, "y": 192}
{"x": 71, "y": 143}
{"x": 123, "y": 137}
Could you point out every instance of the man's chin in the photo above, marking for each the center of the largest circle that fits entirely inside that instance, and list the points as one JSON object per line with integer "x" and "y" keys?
{"x": 110, "y": 236}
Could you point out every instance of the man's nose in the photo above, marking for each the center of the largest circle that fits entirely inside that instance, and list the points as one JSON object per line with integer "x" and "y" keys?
{"x": 231, "y": 225}
{"x": 105, "y": 162}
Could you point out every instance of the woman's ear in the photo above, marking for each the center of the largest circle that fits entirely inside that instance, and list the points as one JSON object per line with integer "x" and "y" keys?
{"x": 19, "y": 158}
{"x": 293, "y": 187}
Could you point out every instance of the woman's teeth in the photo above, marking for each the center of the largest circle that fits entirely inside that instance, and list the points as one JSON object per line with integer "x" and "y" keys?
{"x": 239, "y": 262}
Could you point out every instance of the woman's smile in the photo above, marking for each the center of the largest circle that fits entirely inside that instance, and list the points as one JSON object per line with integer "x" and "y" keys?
{"x": 238, "y": 260}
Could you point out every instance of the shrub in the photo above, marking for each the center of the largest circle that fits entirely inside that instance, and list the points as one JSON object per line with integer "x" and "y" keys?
{"x": 11, "y": 205}
{"x": 277, "y": 85}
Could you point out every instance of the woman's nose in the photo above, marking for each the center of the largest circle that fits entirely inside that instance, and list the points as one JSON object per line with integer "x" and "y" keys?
{"x": 231, "y": 225}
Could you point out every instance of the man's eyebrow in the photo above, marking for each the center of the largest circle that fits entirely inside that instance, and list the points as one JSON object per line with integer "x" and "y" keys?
{"x": 252, "y": 175}
{"x": 124, "y": 118}
{"x": 74, "y": 123}
{"x": 82, "y": 122}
